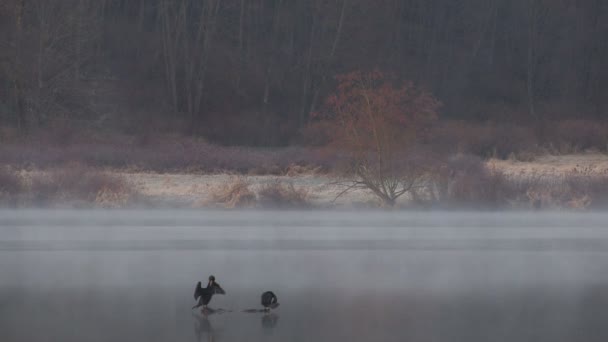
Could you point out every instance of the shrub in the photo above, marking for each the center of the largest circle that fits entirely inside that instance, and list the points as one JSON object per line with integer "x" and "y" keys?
{"x": 280, "y": 195}
{"x": 163, "y": 154}
{"x": 586, "y": 189}
{"x": 571, "y": 136}
{"x": 78, "y": 183}
{"x": 234, "y": 194}
{"x": 464, "y": 180}
{"x": 503, "y": 140}
{"x": 486, "y": 140}
{"x": 10, "y": 186}
{"x": 374, "y": 118}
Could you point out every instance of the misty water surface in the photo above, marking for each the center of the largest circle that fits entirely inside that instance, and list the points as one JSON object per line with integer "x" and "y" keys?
{"x": 339, "y": 276}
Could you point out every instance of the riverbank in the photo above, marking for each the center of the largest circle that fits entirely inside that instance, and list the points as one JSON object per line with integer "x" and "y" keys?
{"x": 549, "y": 182}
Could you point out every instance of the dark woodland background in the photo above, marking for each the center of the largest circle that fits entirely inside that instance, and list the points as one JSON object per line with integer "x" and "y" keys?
{"x": 250, "y": 72}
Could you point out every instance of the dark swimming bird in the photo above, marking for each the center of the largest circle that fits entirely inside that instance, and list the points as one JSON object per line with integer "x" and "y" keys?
{"x": 203, "y": 295}
{"x": 269, "y": 300}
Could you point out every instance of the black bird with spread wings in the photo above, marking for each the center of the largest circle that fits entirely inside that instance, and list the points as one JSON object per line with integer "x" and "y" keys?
{"x": 203, "y": 295}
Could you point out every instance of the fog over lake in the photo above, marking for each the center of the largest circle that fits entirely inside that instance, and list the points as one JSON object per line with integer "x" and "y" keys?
{"x": 339, "y": 276}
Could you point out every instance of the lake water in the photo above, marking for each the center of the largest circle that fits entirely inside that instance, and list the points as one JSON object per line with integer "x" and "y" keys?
{"x": 339, "y": 276}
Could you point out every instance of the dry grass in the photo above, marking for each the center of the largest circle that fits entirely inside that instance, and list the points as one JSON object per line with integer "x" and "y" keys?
{"x": 76, "y": 184}
{"x": 583, "y": 189}
{"x": 468, "y": 182}
{"x": 465, "y": 181}
{"x": 282, "y": 195}
{"x": 234, "y": 194}
{"x": 148, "y": 150}
{"x": 297, "y": 170}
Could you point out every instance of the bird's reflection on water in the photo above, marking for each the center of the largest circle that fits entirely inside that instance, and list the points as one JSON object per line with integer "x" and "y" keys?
{"x": 204, "y": 328}
{"x": 204, "y": 331}
{"x": 269, "y": 321}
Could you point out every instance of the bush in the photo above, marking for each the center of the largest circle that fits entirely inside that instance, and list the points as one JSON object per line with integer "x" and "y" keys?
{"x": 76, "y": 183}
{"x": 374, "y": 118}
{"x": 161, "y": 153}
{"x": 572, "y": 136}
{"x": 489, "y": 140}
{"x": 10, "y": 186}
{"x": 586, "y": 189}
{"x": 464, "y": 180}
{"x": 501, "y": 140}
{"x": 280, "y": 195}
{"x": 235, "y": 194}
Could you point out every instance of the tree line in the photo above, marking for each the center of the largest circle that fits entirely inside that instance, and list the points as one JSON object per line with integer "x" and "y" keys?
{"x": 252, "y": 71}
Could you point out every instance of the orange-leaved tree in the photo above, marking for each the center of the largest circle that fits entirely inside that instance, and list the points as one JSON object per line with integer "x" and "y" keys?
{"x": 375, "y": 119}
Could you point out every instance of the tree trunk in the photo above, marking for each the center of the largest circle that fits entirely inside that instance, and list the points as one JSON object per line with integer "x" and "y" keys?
{"x": 19, "y": 96}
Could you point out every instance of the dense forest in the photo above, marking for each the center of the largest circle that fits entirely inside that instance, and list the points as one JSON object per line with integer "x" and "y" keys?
{"x": 251, "y": 71}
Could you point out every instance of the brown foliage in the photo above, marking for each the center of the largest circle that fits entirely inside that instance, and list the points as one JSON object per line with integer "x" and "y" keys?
{"x": 78, "y": 183}
{"x": 235, "y": 194}
{"x": 466, "y": 181}
{"x": 375, "y": 119}
{"x": 374, "y": 112}
{"x": 280, "y": 195}
{"x": 160, "y": 152}
{"x": 521, "y": 142}
{"x": 586, "y": 189}
{"x": 481, "y": 186}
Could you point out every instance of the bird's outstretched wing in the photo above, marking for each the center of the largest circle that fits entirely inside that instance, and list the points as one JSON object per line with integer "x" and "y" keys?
{"x": 198, "y": 290}
{"x": 218, "y": 290}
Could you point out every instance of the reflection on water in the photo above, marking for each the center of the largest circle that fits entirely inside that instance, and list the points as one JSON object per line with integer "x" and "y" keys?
{"x": 203, "y": 329}
{"x": 269, "y": 321}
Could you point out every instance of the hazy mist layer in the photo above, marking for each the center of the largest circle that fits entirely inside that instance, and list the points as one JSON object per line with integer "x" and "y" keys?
{"x": 339, "y": 276}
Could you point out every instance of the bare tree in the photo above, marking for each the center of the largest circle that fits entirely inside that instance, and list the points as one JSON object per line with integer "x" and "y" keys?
{"x": 261, "y": 61}
{"x": 188, "y": 28}
{"x": 19, "y": 96}
{"x": 376, "y": 120}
